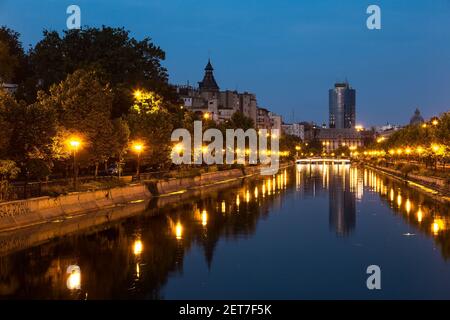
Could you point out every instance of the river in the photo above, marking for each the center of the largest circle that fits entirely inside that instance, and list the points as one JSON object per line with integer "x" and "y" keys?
{"x": 310, "y": 232}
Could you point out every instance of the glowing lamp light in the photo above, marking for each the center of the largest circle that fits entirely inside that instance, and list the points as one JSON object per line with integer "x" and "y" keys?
{"x": 74, "y": 278}
{"x": 137, "y": 94}
{"x": 74, "y": 143}
{"x": 436, "y": 148}
{"x": 204, "y": 218}
{"x": 408, "y": 206}
{"x": 137, "y": 247}
{"x": 138, "y": 147}
{"x": 178, "y": 231}
{"x": 178, "y": 148}
{"x": 224, "y": 207}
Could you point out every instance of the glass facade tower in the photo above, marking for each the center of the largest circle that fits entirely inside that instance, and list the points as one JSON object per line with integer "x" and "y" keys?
{"x": 342, "y": 101}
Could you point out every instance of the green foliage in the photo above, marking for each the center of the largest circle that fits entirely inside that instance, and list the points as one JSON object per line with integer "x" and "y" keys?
{"x": 288, "y": 143}
{"x": 38, "y": 169}
{"x": 8, "y": 170}
{"x": 150, "y": 121}
{"x": 342, "y": 150}
{"x": 314, "y": 146}
{"x": 122, "y": 61}
{"x": 6, "y": 103}
{"x": 240, "y": 121}
{"x": 83, "y": 106}
{"x": 13, "y": 63}
{"x": 7, "y": 62}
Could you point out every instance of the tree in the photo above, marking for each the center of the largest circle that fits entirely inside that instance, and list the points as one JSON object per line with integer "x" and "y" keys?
{"x": 13, "y": 61}
{"x": 119, "y": 59}
{"x": 240, "y": 121}
{"x": 288, "y": 143}
{"x": 8, "y": 171}
{"x": 83, "y": 106}
{"x": 7, "y": 63}
{"x": 28, "y": 132}
{"x": 6, "y": 102}
{"x": 121, "y": 135}
{"x": 151, "y": 122}
{"x": 33, "y": 127}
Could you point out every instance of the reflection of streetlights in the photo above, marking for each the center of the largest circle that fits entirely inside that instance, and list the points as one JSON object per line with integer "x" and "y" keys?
{"x": 138, "y": 147}
{"x": 74, "y": 279}
{"x": 137, "y": 247}
{"x": 74, "y": 144}
{"x": 178, "y": 231}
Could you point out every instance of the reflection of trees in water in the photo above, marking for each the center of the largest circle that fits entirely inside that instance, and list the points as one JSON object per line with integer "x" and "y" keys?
{"x": 112, "y": 268}
{"x": 425, "y": 214}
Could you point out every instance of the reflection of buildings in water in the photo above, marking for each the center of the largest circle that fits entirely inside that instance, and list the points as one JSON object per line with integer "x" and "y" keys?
{"x": 342, "y": 207}
{"x": 311, "y": 180}
{"x": 343, "y": 185}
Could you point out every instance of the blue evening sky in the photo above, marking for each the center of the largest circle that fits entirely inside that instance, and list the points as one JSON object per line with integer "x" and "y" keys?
{"x": 289, "y": 53}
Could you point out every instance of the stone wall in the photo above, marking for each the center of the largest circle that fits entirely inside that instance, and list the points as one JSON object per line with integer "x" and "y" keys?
{"x": 179, "y": 184}
{"x": 15, "y": 214}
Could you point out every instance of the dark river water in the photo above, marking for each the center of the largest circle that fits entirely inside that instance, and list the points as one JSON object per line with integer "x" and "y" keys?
{"x": 306, "y": 233}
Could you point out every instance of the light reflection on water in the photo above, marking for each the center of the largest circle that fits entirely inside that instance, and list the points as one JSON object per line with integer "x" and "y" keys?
{"x": 263, "y": 239}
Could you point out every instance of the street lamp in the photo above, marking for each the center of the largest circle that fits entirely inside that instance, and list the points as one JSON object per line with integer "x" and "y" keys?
{"x": 137, "y": 94}
{"x": 138, "y": 147}
{"x": 297, "y": 149}
{"x": 206, "y": 116}
{"x": 74, "y": 144}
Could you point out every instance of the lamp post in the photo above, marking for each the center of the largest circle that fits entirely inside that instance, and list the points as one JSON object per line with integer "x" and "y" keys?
{"x": 297, "y": 149}
{"x": 138, "y": 147}
{"x": 74, "y": 145}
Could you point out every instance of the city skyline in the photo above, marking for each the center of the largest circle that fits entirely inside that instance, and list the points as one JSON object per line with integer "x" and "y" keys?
{"x": 311, "y": 42}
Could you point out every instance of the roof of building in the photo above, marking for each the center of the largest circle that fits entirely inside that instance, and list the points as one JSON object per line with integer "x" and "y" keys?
{"x": 209, "y": 66}
{"x": 332, "y": 133}
{"x": 416, "y": 118}
{"x": 208, "y": 83}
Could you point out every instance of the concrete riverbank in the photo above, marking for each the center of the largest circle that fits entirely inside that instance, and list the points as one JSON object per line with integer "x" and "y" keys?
{"x": 436, "y": 188}
{"x": 24, "y": 213}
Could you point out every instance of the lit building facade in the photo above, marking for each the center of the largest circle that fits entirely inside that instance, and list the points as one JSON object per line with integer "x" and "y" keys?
{"x": 331, "y": 139}
{"x": 294, "y": 129}
{"x": 221, "y": 105}
{"x": 263, "y": 119}
{"x": 342, "y": 103}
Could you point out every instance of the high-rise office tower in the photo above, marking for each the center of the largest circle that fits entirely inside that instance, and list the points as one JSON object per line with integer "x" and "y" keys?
{"x": 342, "y": 106}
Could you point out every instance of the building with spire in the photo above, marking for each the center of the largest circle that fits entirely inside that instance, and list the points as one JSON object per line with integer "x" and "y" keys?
{"x": 416, "y": 118}
{"x": 220, "y": 105}
{"x": 208, "y": 83}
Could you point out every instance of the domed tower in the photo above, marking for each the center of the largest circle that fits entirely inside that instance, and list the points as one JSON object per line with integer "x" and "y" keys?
{"x": 208, "y": 83}
{"x": 416, "y": 118}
